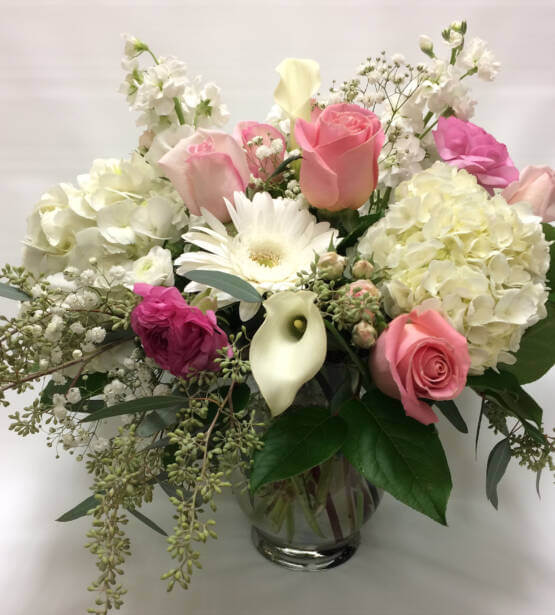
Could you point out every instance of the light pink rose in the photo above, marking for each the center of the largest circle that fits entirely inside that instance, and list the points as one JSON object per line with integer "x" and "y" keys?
{"x": 420, "y": 355}
{"x": 247, "y": 131}
{"x": 537, "y": 187}
{"x": 179, "y": 337}
{"x": 340, "y": 148}
{"x": 467, "y": 146}
{"x": 205, "y": 168}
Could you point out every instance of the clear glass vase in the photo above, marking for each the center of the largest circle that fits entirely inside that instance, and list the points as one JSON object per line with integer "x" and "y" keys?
{"x": 310, "y": 521}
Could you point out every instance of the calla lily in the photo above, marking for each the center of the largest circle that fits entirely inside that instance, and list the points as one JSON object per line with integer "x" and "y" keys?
{"x": 300, "y": 80}
{"x": 289, "y": 348}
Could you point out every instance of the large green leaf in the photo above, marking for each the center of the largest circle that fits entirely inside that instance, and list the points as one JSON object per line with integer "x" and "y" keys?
{"x": 11, "y": 292}
{"x": 498, "y": 460}
{"x": 397, "y": 453}
{"x": 80, "y": 510}
{"x": 295, "y": 442}
{"x": 230, "y": 284}
{"x": 135, "y": 406}
{"x": 536, "y": 355}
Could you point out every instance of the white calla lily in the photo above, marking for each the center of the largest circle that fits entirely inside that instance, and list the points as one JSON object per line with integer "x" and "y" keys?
{"x": 300, "y": 80}
{"x": 289, "y": 348}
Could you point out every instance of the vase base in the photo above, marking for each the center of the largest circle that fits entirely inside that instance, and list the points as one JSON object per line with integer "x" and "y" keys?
{"x": 309, "y": 559}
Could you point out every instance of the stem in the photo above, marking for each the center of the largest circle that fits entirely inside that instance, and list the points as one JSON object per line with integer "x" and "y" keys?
{"x": 305, "y": 505}
{"x": 334, "y": 519}
{"x": 348, "y": 494}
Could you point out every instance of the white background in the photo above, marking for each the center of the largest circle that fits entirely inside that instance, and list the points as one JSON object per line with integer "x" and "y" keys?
{"x": 59, "y": 71}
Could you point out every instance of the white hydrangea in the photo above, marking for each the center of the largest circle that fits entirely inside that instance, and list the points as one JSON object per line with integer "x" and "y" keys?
{"x": 121, "y": 210}
{"x": 485, "y": 261}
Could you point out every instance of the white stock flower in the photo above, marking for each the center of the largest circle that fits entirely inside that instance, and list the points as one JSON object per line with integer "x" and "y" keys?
{"x": 484, "y": 260}
{"x": 274, "y": 241}
{"x": 155, "y": 268}
{"x": 289, "y": 348}
{"x": 478, "y": 55}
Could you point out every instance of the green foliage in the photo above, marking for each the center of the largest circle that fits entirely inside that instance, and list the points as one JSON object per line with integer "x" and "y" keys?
{"x": 397, "y": 453}
{"x": 297, "y": 441}
{"x": 498, "y": 461}
{"x": 80, "y": 510}
{"x": 364, "y": 222}
{"x": 231, "y": 284}
{"x": 11, "y": 292}
{"x": 450, "y": 411}
{"x": 136, "y": 406}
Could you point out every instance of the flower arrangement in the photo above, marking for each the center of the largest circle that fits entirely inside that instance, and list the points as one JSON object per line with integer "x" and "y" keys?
{"x": 247, "y": 308}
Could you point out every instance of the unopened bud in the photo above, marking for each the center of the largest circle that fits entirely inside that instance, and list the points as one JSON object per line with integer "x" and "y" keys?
{"x": 205, "y": 302}
{"x": 426, "y": 45}
{"x": 362, "y": 287}
{"x": 362, "y": 269}
{"x": 331, "y": 265}
{"x": 364, "y": 335}
{"x": 459, "y": 26}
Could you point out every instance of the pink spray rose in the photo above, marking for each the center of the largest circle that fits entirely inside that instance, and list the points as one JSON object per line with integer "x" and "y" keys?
{"x": 537, "y": 187}
{"x": 260, "y": 167}
{"x": 179, "y": 337}
{"x": 420, "y": 355}
{"x": 340, "y": 148}
{"x": 467, "y": 146}
{"x": 206, "y": 167}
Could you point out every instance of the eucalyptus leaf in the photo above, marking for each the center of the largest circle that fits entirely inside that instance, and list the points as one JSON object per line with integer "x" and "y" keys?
{"x": 283, "y": 165}
{"x": 397, "y": 453}
{"x": 498, "y": 461}
{"x": 450, "y": 411}
{"x": 148, "y": 522}
{"x": 156, "y": 421}
{"x": 296, "y": 442}
{"x": 11, "y": 292}
{"x": 80, "y": 510}
{"x": 230, "y": 284}
{"x": 135, "y": 406}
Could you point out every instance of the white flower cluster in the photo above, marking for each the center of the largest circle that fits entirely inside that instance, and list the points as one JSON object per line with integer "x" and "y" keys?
{"x": 118, "y": 219}
{"x": 163, "y": 92}
{"x": 484, "y": 260}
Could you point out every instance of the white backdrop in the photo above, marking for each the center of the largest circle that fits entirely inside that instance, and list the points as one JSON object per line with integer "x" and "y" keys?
{"x": 59, "y": 71}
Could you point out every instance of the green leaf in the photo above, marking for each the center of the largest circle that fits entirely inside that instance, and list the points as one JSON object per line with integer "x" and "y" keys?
{"x": 136, "y": 405}
{"x": 450, "y": 411}
{"x": 498, "y": 461}
{"x": 240, "y": 396}
{"x": 11, "y": 292}
{"x": 397, "y": 453}
{"x": 295, "y": 442}
{"x": 139, "y": 515}
{"x": 156, "y": 421}
{"x": 536, "y": 355}
{"x": 230, "y": 284}
{"x": 364, "y": 223}
{"x": 80, "y": 510}
{"x": 89, "y": 384}
{"x": 549, "y": 232}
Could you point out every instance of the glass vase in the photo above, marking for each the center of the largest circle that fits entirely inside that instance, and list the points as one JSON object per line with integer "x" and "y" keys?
{"x": 311, "y": 521}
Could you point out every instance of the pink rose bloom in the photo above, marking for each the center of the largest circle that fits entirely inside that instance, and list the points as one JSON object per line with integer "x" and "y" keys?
{"x": 206, "y": 167}
{"x": 179, "y": 337}
{"x": 420, "y": 355}
{"x": 467, "y": 146}
{"x": 247, "y": 131}
{"x": 537, "y": 187}
{"x": 340, "y": 149}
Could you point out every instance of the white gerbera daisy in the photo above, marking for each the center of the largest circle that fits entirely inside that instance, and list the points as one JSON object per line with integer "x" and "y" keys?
{"x": 275, "y": 240}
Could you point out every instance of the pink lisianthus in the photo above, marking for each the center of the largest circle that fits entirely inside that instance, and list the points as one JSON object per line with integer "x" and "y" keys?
{"x": 420, "y": 355}
{"x": 179, "y": 337}
{"x": 262, "y": 167}
{"x": 469, "y": 147}
{"x": 340, "y": 148}
{"x": 206, "y": 167}
{"x": 537, "y": 187}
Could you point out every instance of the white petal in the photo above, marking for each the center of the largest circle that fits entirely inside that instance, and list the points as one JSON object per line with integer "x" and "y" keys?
{"x": 248, "y": 310}
{"x": 280, "y": 362}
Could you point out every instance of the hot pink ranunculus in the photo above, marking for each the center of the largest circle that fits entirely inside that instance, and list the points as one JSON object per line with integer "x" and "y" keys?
{"x": 467, "y": 146}
{"x": 537, "y": 187}
{"x": 420, "y": 355}
{"x": 340, "y": 150}
{"x": 179, "y": 337}
{"x": 245, "y": 132}
{"x": 206, "y": 167}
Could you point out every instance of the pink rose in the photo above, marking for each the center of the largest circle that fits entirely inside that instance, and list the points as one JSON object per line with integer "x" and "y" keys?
{"x": 260, "y": 167}
{"x": 206, "y": 167}
{"x": 420, "y": 355}
{"x": 537, "y": 187}
{"x": 179, "y": 337}
{"x": 340, "y": 149}
{"x": 467, "y": 146}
